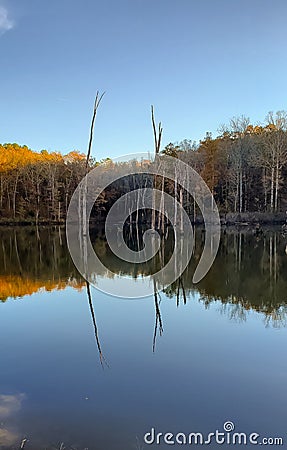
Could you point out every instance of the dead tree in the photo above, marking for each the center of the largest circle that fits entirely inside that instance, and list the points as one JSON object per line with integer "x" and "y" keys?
{"x": 96, "y": 106}
{"x": 157, "y": 133}
{"x": 84, "y": 223}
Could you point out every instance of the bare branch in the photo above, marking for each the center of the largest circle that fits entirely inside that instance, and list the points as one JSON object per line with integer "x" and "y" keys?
{"x": 96, "y": 106}
{"x": 157, "y": 136}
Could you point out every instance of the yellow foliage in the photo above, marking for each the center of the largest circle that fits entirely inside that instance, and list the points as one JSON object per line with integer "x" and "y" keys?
{"x": 14, "y": 156}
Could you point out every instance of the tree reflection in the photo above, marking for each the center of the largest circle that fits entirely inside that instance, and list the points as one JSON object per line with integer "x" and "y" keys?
{"x": 249, "y": 272}
{"x": 158, "y": 319}
{"x": 89, "y": 295}
{"x": 32, "y": 259}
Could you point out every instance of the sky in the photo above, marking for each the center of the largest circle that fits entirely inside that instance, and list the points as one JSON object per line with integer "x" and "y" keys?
{"x": 198, "y": 62}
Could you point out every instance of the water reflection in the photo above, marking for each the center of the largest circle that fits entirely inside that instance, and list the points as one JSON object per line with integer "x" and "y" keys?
{"x": 89, "y": 295}
{"x": 210, "y": 368}
{"x": 9, "y": 405}
{"x": 34, "y": 259}
{"x": 158, "y": 320}
{"x": 249, "y": 271}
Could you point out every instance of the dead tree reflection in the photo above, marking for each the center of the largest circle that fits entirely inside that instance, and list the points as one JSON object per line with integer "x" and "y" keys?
{"x": 158, "y": 320}
{"x": 180, "y": 286}
{"x": 102, "y": 358}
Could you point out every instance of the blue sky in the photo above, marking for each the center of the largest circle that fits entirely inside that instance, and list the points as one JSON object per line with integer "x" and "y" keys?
{"x": 198, "y": 62}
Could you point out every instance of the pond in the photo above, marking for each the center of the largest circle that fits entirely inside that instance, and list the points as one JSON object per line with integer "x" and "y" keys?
{"x": 85, "y": 370}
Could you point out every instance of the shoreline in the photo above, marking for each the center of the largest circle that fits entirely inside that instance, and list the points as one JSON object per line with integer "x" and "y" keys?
{"x": 246, "y": 219}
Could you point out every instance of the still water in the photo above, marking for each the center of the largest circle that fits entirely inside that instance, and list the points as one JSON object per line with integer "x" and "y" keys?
{"x": 84, "y": 370}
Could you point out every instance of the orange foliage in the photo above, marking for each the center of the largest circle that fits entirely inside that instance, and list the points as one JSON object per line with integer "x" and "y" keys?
{"x": 16, "y": 286}
{"x": 75, "y": 156}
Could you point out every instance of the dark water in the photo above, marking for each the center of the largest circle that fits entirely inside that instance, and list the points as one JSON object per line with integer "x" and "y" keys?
{"x": 100, "y": 373}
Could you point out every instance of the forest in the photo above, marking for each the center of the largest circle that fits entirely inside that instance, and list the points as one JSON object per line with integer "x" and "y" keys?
{"x": 245, "y": 167}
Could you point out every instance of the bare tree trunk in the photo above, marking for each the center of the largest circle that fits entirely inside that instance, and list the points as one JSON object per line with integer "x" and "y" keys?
{"x": 84, "y": 199}
{"x": 276, "y": 186}
{"x": 137, "y": 221}
{"x": 245, "y": 195}
{"x": 181, "y": 210}
{"x": 272, "y": 190}
{"x": 265, "y": 189}
{"x": 1, "y": 189}
{"x": 157, "y": 136}
{"x": 240, "y": 190}
{"x": 130, "y": 222}
{"x": 175, "y": 197}
{"x": 162, "y": 216}
{"x": 14, "y": 195}
{"x": 237, "y": 194}
{"x": 137, "y": 208}
{"x": 275, "y": 258}
{"x": 153, "y": 212}
{"x": 37, "y": 201}
{"x": 8, "y": 200}
{"x": 157, "y": 142}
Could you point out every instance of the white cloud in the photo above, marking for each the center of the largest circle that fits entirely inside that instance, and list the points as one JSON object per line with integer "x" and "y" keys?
{"x": 5, "y": 23}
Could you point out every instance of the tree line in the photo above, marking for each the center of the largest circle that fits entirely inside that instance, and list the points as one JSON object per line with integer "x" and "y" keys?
{"x": 37, "y": 186}
{"x": 245, "y": 167}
